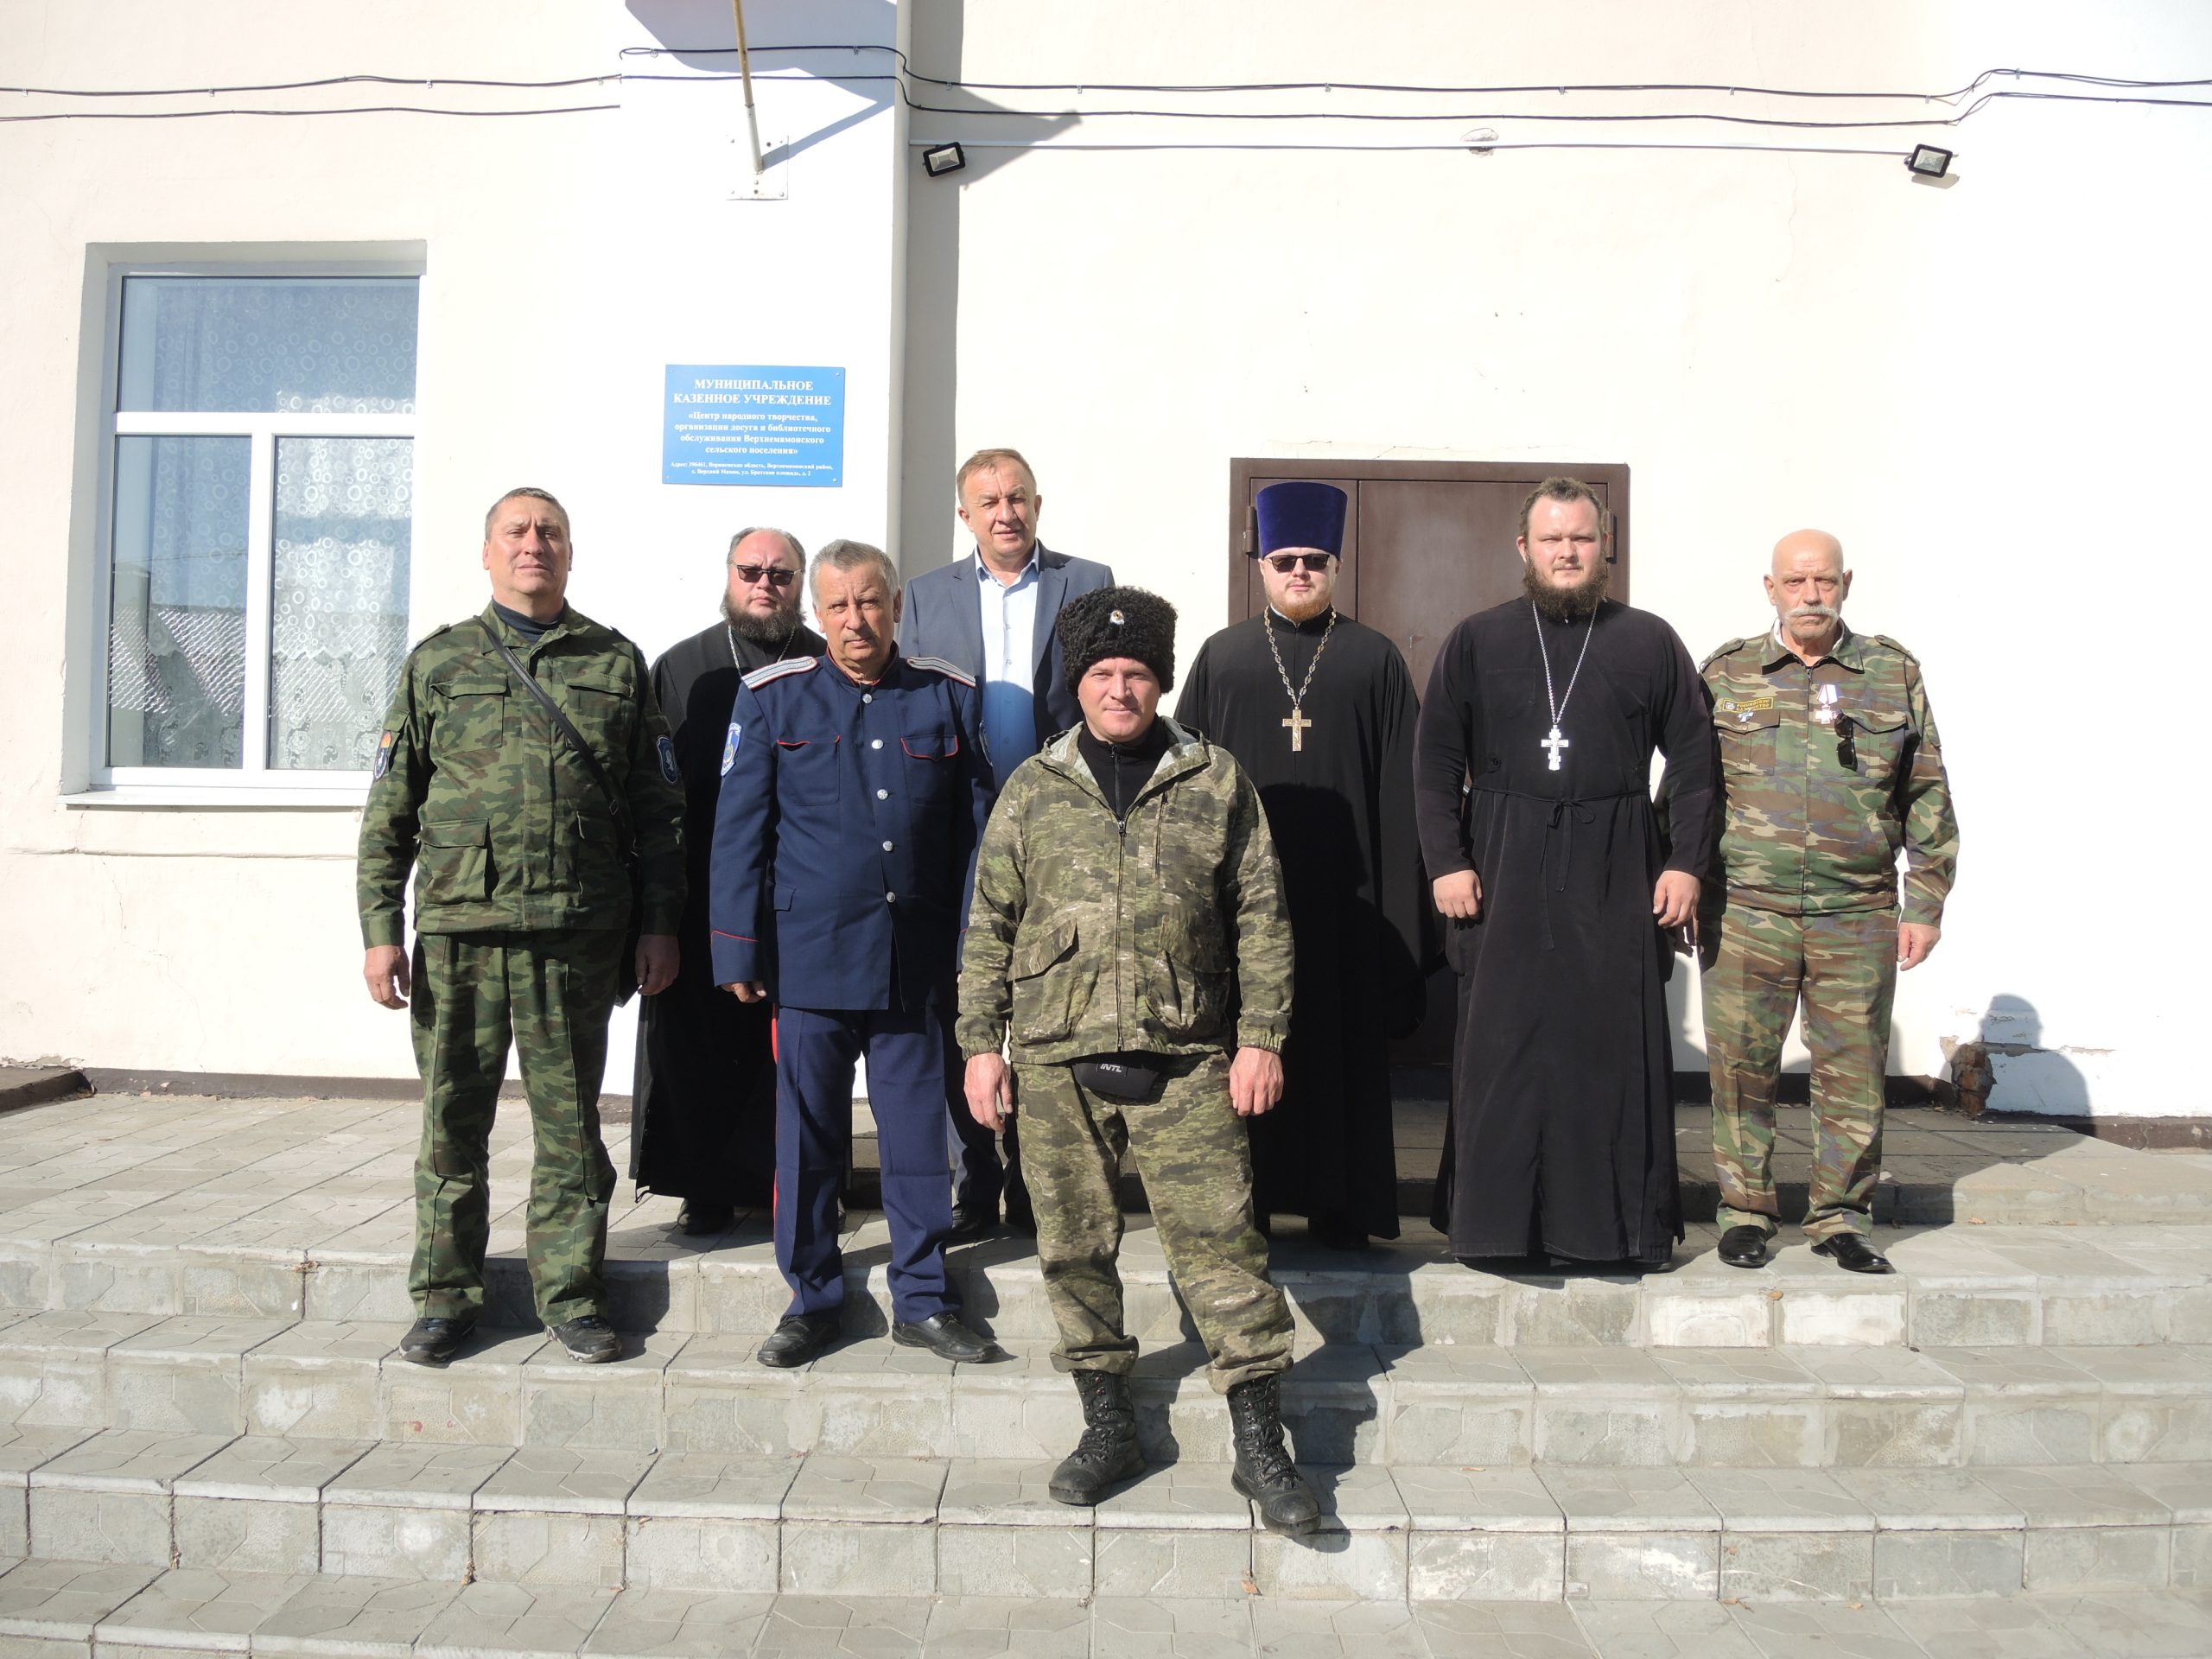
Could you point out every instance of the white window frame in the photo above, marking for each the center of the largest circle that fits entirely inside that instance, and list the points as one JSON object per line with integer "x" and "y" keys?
{"x": 253, "y": 782}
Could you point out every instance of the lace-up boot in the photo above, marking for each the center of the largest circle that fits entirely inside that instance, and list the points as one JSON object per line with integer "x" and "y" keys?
{"x": 1263, "y": 1470}
{"x": 1108, "y": 1451}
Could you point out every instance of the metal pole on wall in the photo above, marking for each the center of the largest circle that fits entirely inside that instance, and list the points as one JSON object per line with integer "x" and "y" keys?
{"x": 745, "y": 73}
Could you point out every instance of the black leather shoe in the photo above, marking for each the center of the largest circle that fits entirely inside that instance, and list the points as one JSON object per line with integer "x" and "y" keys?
{"x": 434, "y": 1341}
{"x": 796, "y": 1338}
{"x": 1263, "y": 1470}
{"x": 705, "y": 1220}
{"x": 972, "y": 1221}
{"x": 1853, "y": 1253}
{"x": 589, "y": 1339}
{"x": 1743, "y": 1247}
{"x": 944, "y": 1336}
{"x": 1020, "y": 1215}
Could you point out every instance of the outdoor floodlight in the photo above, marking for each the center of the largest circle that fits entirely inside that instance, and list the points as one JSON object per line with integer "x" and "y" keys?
{"x": 1927, "y": 161}
{"x": 941, "y": 159}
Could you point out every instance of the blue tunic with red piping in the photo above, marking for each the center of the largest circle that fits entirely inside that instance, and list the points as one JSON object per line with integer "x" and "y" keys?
{"x": 845, "y": 831}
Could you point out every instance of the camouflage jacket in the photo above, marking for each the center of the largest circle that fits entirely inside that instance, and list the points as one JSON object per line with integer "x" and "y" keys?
{"x": 502, "y": 823}
{"x": 1828, "y": 772}
{"x": 1165, "y": 935}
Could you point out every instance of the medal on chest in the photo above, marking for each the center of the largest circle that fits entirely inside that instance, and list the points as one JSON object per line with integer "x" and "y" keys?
{"x": 1824, "y": 697}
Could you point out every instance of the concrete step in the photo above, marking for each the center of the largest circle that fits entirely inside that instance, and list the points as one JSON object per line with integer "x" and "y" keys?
{"x": 1959, "y": 1286}
{"x": 53, "y": 1609}
{"x": 1812, "y": 1407}
{"x": 552, "y": 1518}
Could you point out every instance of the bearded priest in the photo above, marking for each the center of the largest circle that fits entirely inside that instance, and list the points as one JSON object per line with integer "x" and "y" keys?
{"x": 1319, "y": 711}
{"x": 1563, "y": 900}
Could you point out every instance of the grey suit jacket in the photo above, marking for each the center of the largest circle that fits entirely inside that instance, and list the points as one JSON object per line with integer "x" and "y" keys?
{"x": 944, "y": 617}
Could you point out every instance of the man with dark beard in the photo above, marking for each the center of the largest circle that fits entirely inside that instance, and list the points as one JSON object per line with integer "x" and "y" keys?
{"x": 704, "y": 1115}
{"x": 1560, "y": 891}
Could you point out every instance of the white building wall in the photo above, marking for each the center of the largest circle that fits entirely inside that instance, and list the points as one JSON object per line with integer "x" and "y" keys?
{"x": 566, "y": 259}
{"x": 1991, "y": 392}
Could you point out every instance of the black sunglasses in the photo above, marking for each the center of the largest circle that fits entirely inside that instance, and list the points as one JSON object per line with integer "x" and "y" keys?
{"x": 1284, "y": 564}
{"x": 773, "y": 574}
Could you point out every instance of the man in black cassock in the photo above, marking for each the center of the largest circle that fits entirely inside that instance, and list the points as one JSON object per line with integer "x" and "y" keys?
{"x": 1563, "y": 899}
{"x": 703, "y": 1119}
{"x": 1319, "y": 711}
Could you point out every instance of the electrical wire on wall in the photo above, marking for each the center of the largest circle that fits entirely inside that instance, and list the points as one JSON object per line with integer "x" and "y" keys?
{"x": 1943, "y": 109}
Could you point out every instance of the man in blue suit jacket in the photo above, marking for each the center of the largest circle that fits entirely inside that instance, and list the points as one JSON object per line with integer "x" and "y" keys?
{"x": 853, "y": 796}
{"x": 993, "y": 617}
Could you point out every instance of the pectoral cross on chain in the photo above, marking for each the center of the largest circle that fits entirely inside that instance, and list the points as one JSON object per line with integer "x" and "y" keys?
{"x": 1299, "y": 724}
{"x": 1555, "y": 743}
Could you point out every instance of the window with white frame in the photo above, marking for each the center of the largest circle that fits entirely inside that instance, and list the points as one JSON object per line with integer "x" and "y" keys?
{"x": 260, "y": 508}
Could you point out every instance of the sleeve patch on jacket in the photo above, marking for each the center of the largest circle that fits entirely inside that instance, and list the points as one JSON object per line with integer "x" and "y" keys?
{"x": 383, "y": 756}
{"x": 729, "y": 749}
{"x": 667, "y": 747}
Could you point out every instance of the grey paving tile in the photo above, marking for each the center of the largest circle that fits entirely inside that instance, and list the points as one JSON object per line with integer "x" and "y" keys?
{"x": 64, "y": 1600}
{"x": 2138, "y": 1625}
{"x": 561, "y": 1480}
{"x": 1662, "y": 1630}
{"x": 2184, "y": 1488}
{"x": 989, "y": 1625}
{"x": 1284, "y": 1628}
{"x": 864, "y": 1627}
{"x": 128, "y": 1460}
{"x": 1181, "y": 1497}
{"x": 2081, "y": 1496}
{"x": 1629, "y": 1500}
{"x": 679, "y": 1625}
{"x": 1788, "y": 1629}
{"x": 1004, "y": 1492}
{"x": 1450, "y": 1499}
{"x": 272, "y": 1468}
{"x": 195, "y": 1607}
{"x": 1950, "y": 1500}
{"x": 354, "y": 1618}
{"x": 866, "y": 1490}
{"x": 701, "y": 1487}
{"x": 542, "y": 1621}
{"x": 1507, "y": 1629}
{"x": 1133, "y": 1628}
{"x": 426, "y": 1477}
{"x": 1986, "y": 1628}
{"x": 1771, "y": 1500}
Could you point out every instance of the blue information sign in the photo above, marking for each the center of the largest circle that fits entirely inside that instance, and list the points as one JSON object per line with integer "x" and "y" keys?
{"x": 753, "y": 424}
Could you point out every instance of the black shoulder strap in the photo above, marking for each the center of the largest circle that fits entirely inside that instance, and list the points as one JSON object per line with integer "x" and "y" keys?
{"x": 625, "y": 842}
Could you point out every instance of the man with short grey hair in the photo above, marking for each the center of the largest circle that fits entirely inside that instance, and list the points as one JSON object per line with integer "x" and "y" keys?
{"x": 853, "y": 795}
{"x": 703, "y": 1125}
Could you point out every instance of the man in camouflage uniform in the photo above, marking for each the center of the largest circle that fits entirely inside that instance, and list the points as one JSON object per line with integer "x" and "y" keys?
{"x": 521, "y": 900}
{"x": 1831, "y": 766}
{"x": 1128, "y": 930}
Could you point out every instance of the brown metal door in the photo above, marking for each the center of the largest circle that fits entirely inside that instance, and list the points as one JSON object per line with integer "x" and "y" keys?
{"x": 1426, "y": 544}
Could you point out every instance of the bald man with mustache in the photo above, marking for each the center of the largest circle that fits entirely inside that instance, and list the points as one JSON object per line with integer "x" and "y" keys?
{"x": 1830, "y": 767}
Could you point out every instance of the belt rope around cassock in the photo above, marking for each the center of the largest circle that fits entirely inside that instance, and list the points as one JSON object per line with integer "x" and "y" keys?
{"x": 1569, "y": 811}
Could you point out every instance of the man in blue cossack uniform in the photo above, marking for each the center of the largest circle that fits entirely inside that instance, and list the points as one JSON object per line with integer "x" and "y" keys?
{"x": 853, "y": 793}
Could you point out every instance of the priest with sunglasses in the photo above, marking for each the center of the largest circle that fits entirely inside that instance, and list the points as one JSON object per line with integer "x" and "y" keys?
{"x": 704, "y": 1111}
{"x": 1319, "y": 711}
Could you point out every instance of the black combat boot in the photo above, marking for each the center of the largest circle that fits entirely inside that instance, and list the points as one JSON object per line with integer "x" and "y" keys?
{"x": 1108, "y": 1451}
{"x": 1263, "y": 1472}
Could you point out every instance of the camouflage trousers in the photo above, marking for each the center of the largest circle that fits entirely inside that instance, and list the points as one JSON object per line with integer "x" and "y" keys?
{"x": 1197, "y": 1164}
{"x": 550, "y": 992}
{"x": 1758, "y": 965}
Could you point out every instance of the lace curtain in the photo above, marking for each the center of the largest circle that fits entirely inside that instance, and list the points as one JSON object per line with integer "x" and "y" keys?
{"x": 335, "y": 613}
{"x": 339, "y": 615}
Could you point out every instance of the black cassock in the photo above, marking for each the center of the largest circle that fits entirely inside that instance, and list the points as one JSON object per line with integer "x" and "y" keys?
{"x": 703, "y": 1117}
{"x": 1561, "y": 1134}
{"x": 1340, "y": 810}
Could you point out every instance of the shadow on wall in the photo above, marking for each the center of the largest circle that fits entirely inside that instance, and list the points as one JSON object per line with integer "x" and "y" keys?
{"x": 2005, "y": 1068}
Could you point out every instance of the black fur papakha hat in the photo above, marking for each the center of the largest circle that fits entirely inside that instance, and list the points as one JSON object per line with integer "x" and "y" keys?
{"x": 1117, "y": 622}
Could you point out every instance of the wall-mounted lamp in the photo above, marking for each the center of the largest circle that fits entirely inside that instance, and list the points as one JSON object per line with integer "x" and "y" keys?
{"x": 941, "y": 159}
{"x": 1927, "y": 161}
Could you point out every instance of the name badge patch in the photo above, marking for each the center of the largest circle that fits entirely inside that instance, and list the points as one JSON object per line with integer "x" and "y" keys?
{"x": 667, "y": 747}
{"x": 383, "y": 756}
{"x": 729, "y": 749}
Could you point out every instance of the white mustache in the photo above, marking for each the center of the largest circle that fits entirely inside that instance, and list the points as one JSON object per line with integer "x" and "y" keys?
{"x": 1825, "y": 613}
